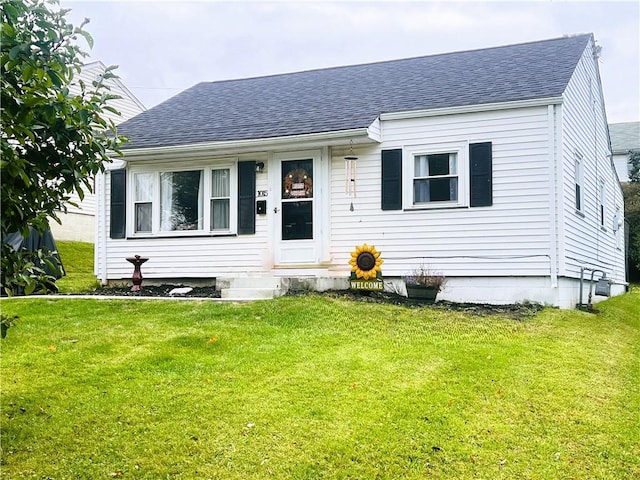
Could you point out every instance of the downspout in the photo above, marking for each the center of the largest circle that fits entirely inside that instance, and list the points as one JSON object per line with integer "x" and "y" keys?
{"x": 101, "y": 230}
{"x": 553, "y": 214}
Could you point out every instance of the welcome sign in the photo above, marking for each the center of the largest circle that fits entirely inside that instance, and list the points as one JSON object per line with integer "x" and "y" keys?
{"x": 366, "y": 273}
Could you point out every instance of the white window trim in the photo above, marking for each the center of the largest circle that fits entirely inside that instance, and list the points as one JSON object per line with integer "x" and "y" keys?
{"x": 602, "y": 204}
{"x": 461, "y": 149}
{"x": 617, "y": 227}
{"x": 233, "y": 199}
{"x": 578, "y": 179}
{"x": 156, "y": 169}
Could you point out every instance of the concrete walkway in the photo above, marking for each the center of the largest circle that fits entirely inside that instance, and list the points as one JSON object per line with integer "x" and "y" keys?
{"x": 133, "y": 297}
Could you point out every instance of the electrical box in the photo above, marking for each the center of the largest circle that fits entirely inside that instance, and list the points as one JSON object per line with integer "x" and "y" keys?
{"x": 603, "y": 287}
{"x": 261, "y": 207}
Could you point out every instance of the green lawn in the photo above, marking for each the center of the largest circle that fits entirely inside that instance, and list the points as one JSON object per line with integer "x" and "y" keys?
{"x": 317, "y": 387}
{"x": 77, "y": 259}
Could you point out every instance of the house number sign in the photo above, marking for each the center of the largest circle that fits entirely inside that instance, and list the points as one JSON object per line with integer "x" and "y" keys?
{"x": 263, "y": 193}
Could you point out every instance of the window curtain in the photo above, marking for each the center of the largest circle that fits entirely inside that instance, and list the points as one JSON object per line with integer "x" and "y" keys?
{"x": 200, "y": 201}
{"x": 143, "y": 201}
{"x": 220, "y": 213}
{"x": 166, "y": 201}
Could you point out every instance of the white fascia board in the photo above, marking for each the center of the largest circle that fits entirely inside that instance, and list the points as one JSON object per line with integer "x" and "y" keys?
{"x": 208, "y": 149}
{"x": 484, "y": 107}
{"x": 374, "y": 131}
{"x": 116, "y": 163}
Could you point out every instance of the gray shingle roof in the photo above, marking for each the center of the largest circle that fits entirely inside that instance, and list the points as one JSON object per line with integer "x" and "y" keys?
{"x": 625, "y": 136}
{"x": 344, "y": 98}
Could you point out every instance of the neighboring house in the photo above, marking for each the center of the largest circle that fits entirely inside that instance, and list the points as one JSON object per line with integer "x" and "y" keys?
{"x": 79, "y": 222}
{"x": 624, "y": 138}
{"x": 491, "y": 166}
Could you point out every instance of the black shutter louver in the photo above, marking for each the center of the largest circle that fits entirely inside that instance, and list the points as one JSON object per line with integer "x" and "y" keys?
{"x": 392, "y": 179}
{"x": 118, "y": 204}
{"x": 480, "y": 174}
{"x": 246, "y": 198}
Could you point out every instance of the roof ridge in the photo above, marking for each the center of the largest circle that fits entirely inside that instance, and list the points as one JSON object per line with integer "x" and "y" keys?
{"x": 353, "y": 96}
{"x": 396, "y": 60}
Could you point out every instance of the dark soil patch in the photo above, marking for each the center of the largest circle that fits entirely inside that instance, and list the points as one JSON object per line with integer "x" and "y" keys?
{"x": 518, "y": 311}
{"x": 158, "y": 291}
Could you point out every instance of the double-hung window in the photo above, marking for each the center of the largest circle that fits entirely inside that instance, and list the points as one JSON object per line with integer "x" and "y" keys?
{"x": 172, "y": 202}
{"x": 436, "y": 176}
{"x": 143, "y": 201}
{"x": 220, "y": 198}
{"x": 579, "y": 179}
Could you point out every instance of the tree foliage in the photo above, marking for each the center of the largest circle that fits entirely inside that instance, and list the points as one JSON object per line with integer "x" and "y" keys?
{"x": 53, "y": 141}
{"x": 634, "y": 160}
{"x": 631, "y": 193}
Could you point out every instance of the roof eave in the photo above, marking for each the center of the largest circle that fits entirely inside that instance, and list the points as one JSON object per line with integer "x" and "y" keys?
{"x": 483, "y": 107}
{"x": 369, "y": 134}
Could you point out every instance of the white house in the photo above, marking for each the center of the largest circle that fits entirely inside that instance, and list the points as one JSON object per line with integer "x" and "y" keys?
{"x": 492, "y": 166}
{"x": 625, "y": 137}
{"x": 79, "y": 222}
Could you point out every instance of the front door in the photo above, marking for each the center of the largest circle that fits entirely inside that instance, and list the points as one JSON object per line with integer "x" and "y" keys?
{"x": 297, "y": 228}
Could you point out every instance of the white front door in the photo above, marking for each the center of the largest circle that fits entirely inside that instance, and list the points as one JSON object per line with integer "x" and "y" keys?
{"x": 297, "y": 209}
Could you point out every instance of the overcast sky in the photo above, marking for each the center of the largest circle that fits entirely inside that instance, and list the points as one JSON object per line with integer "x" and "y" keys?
{"x": 164, "y": 47}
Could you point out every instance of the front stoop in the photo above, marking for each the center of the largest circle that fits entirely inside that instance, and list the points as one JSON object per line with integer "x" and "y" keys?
{"x": 250, "y": 288}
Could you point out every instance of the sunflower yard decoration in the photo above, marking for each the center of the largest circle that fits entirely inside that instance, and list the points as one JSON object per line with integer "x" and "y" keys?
{"x": 366, "y": 273}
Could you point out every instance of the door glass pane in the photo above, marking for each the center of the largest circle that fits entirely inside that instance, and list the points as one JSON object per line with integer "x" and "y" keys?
{"x": 297, "y": 220}
{"x": 297, "y": 179}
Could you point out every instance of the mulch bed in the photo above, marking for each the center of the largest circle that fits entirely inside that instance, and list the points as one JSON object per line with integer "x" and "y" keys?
{"x": 519, "y": 311}
{"x": 514, "y": 311}
{"x": 157, "y": 291}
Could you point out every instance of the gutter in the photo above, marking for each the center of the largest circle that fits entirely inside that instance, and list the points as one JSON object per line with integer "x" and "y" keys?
{"x": 199, "y": 150}
{"x": 553, "y": 200}
{"x": 433, "y": 112}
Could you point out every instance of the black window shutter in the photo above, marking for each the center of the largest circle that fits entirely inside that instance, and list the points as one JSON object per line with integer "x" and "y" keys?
{"x": 246, "y": 198}
{"x": 118, "y": 204}
{"x": 480, "y": 174}
{"x": 392, "y": 179}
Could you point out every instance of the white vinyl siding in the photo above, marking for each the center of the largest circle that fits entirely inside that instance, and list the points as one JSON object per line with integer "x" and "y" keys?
{"x": 585, "y": 242}
{"x": 191, "y": 255}
{"x": 509, "y": 238}
{"x": 127, "y": 104}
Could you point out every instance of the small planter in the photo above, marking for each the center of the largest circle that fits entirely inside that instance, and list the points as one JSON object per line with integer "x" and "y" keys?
{"x": 422, "y": 293}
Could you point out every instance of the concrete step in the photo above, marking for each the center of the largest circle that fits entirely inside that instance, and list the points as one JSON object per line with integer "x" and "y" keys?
{"x": 249, "y": 282}
{"x": 249, "y": 293}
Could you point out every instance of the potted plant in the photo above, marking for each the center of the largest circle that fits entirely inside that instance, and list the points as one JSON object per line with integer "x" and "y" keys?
{"x": 423, "y": 284}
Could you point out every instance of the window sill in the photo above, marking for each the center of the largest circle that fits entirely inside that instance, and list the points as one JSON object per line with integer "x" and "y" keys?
{"x": 423, "y": 208}
{"x": 195, "y": 235}
{"x": 579, "y": 213}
